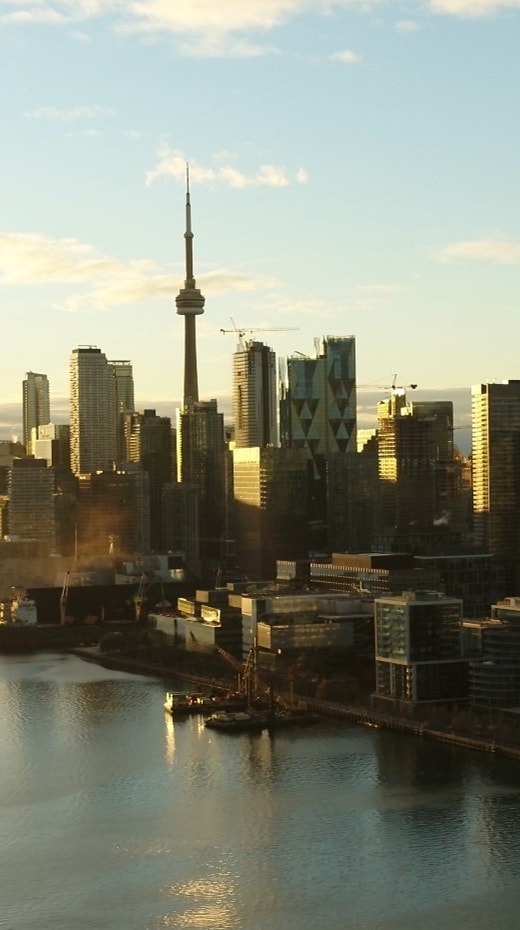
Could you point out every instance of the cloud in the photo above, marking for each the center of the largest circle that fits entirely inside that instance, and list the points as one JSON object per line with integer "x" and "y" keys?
{"x": 101, "y": 282}
{"x": 207, "y": 28}
{"x": 70, "y": 115}
{"x": 496, "y": 251}
{"x": 406, "y": 26}
{"x": 472, "y": 8}
{"x": 172, "y": 164}
{"x": 347, "y": 57}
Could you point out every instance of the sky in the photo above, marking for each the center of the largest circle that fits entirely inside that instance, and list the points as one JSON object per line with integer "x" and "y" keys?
{"x": 353, "y": 170}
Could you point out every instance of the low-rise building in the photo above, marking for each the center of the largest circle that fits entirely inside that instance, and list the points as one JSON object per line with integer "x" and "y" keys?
{"x": 493, "y": 646}
{"x": 419, "y": 656}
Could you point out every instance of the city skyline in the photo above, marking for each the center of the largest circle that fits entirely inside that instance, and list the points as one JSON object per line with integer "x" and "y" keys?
{"x": 351, "y": 173}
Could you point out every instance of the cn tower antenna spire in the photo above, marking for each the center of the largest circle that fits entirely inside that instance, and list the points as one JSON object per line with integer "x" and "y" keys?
{"x": 190, "y": 303}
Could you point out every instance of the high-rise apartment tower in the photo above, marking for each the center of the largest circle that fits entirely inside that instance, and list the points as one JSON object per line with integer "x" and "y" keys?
{"x": 92, "y": 413}
{"x": 254, "y": 395}
{"x": 123, "y": 399}
{"x": 36, "y": 406}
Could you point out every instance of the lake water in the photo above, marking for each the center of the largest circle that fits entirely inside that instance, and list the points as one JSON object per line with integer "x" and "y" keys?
{"x": 112, "y": 817}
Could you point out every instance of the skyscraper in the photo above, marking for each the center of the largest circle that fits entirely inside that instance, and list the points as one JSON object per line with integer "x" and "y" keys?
{"x": 190, "y": 303}
{"x": 254, "y": 395}
{"x": 36, "y": 406}
{"x": 92, "y": 416}
{"x": 318, "y": 414}
{"x": 271, "y": 508}
{"x": 123, "y": 399}
{"x": 416, "y": 472}
{"x": 496, "y": 469}
{"x": 149, "y": 442}
{"x": 318, "y": 405}
{"x": 201, "y": 461}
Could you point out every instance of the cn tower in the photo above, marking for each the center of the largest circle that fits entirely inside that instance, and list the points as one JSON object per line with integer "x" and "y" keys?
{"x": 190, "y": 303}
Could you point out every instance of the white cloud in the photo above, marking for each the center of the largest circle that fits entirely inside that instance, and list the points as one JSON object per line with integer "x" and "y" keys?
{"x": 347, "y": 57}
{"x": 209, "y": 28}
{"x": 84, "y": 134}
{"x": 99, "y": 281}
{"x": 69, "y": 115}
{"x": 406, "y": 26}
{"x": 172, "y": 164}
{"x": 496, "y": 251}
{"x": 473, "y": 8}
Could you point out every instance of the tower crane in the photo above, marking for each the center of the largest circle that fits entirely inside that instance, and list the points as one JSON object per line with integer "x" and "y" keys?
{"x": 394, "y": 388}
{"x": 240, "y": 333}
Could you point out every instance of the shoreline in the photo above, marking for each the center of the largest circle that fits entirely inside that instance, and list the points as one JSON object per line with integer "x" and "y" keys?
{"x": 360, "y": 715}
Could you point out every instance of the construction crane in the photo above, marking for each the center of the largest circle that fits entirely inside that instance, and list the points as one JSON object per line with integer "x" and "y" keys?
{"x": 240, "y": 333}
{"x": 63, "y": 598}
{"x": 394, "y": 388}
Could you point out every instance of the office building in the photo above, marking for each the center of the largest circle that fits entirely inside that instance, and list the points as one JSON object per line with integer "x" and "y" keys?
{"x": 493, "y": 647}
{"x": 352, "y": 500}
{"x": 318, "y": 415}
{"x": 372, "y": 574}
{"x": 201, "y": 461}
{"x": 148, "y": 441}
{"x": 180, "y": 522}
{"x": 113, "y": 515}
{"x": 318, "y": 402}
{"x": 496, "y": 473}
{"x": 52, "y": 443}
{"x": 31, "y": 501}
{"x": 418, "y": 644}
{"x": 254, "y": 395}
{"x": 92, "y": 419}
{"x": 35, "y": 405}
{"x": 271, "y": 508}
{"x": 416, "y": 474}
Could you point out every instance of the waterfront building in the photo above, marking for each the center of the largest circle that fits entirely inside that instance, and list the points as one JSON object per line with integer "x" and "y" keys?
{"x": 254, "y": 395}
{"x": 31, "y": 501}
{"x": 493, "y": 648}
{"x": 270, "y": 488}
{"x": 496, "y": 473}
{"x": 148, "y": 441}
{"x": 92, "y": 421}
{"x": 35, "y": 405}
{"x": 418, "y": 646}
{"x": 201, "y": 461}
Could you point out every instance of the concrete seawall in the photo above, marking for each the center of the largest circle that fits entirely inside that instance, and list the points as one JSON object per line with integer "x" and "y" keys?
{"x": 357, "y": 714}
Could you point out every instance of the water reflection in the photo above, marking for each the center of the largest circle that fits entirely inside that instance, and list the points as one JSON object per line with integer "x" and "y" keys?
{"x": 176, "y": 826}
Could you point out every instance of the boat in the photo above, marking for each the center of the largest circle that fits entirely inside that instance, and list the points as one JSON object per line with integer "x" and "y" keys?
{"x": 290, "y": 718}
{"x": 179, "y": 703}
{"x": 239, "y": 721}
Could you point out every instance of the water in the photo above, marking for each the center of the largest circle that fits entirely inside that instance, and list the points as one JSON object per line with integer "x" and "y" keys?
{"x": 114, "y": 817}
